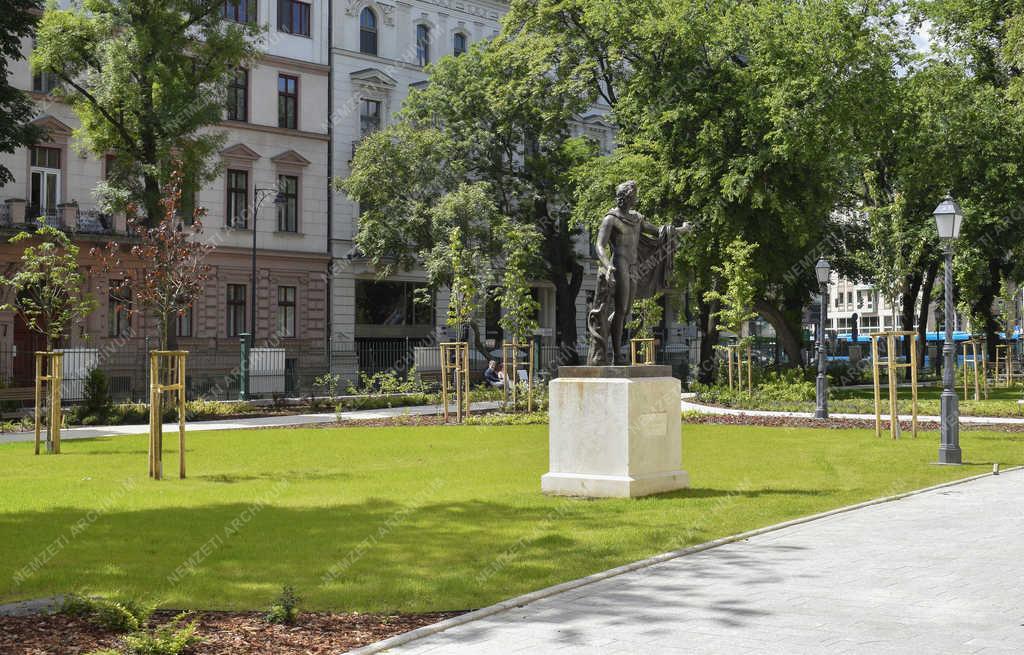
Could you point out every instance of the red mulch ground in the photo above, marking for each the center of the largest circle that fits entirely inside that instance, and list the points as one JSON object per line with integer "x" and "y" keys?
{"x": 223, "y": 633}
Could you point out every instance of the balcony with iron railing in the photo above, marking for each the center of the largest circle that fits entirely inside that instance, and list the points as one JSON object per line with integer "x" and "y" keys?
{"x": 18, "y": 215}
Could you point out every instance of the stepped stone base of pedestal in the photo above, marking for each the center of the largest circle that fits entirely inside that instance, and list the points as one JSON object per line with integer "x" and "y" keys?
{"x": 615, "y": 432}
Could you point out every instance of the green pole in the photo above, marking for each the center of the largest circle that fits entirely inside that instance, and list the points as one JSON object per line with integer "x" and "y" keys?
{"x": 243, "y": 367}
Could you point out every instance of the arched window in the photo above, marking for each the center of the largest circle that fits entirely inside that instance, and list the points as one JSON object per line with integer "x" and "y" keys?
{"x": 422, "y": 45}
{"x": 368, "y": 32}
{"x": 459, "y": 44}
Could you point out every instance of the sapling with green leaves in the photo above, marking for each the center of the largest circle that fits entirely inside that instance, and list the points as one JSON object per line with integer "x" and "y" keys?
{"x": 519, "y": 307}
{"x": 647, "y": 314}
{"x": 738, "y": 280}
{"x": 47, "y": 291}
{"x": 737, "y": 288}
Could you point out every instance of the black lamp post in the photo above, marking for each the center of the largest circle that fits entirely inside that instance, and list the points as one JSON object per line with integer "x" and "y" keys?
{"x": 948, "y": 219}
{"x": 823, "y": 271}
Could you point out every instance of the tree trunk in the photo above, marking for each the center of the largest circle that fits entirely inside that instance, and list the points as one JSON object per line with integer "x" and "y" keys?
{"x": 911, "y": 290}
{"x": 922, "y": 316}
{"x": 788, "y": 335}
{"x": 708, "y": 369}
{"x": 566, "y": 274}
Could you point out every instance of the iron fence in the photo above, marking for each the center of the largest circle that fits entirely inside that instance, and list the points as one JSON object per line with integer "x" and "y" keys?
{"x": 213, "y": 372}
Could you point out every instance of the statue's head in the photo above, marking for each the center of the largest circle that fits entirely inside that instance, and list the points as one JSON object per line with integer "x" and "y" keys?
{"x": 625, "y": 194}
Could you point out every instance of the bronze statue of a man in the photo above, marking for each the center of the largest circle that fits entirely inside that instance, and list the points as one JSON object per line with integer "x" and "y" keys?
{"x": 636, "y": 262}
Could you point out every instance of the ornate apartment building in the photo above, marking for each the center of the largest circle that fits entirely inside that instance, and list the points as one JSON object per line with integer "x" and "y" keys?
{"x": 277, "y": 138}
{"x": 330, "y": 73}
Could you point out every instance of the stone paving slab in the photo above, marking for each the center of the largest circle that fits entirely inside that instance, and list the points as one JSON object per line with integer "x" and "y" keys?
{"x": 940, "y": 572}
{"x": 245, "y": 423}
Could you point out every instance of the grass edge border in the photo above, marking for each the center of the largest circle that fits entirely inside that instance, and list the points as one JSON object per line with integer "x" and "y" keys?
{"x": 534, "y": 596}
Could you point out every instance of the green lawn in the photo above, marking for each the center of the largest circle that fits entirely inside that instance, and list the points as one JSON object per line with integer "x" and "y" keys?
{"x": 407, "y": 519}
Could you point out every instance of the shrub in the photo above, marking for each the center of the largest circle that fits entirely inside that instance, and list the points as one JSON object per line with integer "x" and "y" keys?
{"x": 285, "y": 609}
{"x": 535, "y": 418}
{"x": 113, "y": 615}
{"x": 171, "y": 638}
{"x": 96, "y": 400}
{"x": 788, "y": 386}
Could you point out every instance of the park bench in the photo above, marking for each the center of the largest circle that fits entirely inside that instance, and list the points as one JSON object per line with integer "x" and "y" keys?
{"x": 14, "y": 394}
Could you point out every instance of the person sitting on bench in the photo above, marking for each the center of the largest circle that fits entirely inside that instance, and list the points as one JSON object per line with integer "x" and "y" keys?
{"x": 492, "y": 376}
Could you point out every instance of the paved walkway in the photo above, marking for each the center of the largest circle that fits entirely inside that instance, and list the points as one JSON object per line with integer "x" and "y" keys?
{"x": 939, "y": 572}
{"x": 244, "y": 423}
{"x": 689, "y": 406}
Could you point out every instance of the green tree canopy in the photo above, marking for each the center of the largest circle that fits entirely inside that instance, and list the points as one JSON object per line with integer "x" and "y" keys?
{"x": 17, "y": 21}
{"x": 494, "y": 116}
{"x": 146, "y": 78}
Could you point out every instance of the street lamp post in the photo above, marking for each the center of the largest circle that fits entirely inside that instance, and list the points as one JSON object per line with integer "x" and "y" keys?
{"x": 260, "y": 196}
{"x": 948, "y": 218}
{"x": 823, "y": 271}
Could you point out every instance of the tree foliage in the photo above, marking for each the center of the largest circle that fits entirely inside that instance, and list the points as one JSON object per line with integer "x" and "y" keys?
{"x": 746, "y": 118}
{"x": 492, "y": 115}
{"x": 647, "y": 315}
{"x": 147, "y": 79}
{"x": 520, "y": 309}
{"x": 739, "y": 283}
{"x": 48, "y": 289}
{"x": 17, "y": 21}
{"x": 174, "y": 269}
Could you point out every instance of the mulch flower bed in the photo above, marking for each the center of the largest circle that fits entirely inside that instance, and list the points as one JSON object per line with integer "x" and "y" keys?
{"x": 223, "y": 633}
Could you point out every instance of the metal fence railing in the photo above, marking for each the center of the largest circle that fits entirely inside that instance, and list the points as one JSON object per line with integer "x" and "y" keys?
{"x": 213, "y": 373}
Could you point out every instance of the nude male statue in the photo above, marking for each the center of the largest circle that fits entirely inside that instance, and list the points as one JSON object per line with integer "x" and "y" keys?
{"x": 633, "y": 268}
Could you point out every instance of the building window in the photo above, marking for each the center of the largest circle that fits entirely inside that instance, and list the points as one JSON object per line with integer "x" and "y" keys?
{"x": 119, "y": 308}
{"x": 238, "y": 199}
{"x": 44, "y": 82}
{"x": 236, "y": 309}
{"x": 240, "y": 11}
{"x": 390, "y": 303}
{"x": 288, "y": 213}
{"x": 286, "y": 311}
{"x": 238, "y": 96}
{"x": 422, "y": 45}
{"x": 369, "y": 117}
{"x": 288, "y": 102}
{"x": 293, "y": 17}
{"x": 183, "y": 324}
{"x": 368, "y": 32}
{"x": 459, "y": 44}
{"x": 44, "y": 172}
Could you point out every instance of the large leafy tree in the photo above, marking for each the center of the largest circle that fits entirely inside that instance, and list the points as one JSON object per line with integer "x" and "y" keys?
{"x": 494, "y": 116}
{"x": 146, "y": 79}
{"x": 983, "y": 40}
{"x": 744, "y": 117}
{"x": 17, "y": 21}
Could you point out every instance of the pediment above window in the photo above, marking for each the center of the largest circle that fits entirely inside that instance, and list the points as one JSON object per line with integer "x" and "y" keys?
{"x": 240, "y": 151}
{"x": 290, "y": 158}
{"x": 372, "y": 78}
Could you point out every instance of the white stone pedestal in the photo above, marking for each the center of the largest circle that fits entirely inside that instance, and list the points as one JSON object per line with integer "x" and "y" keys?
{"x": 615, "y": 432}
